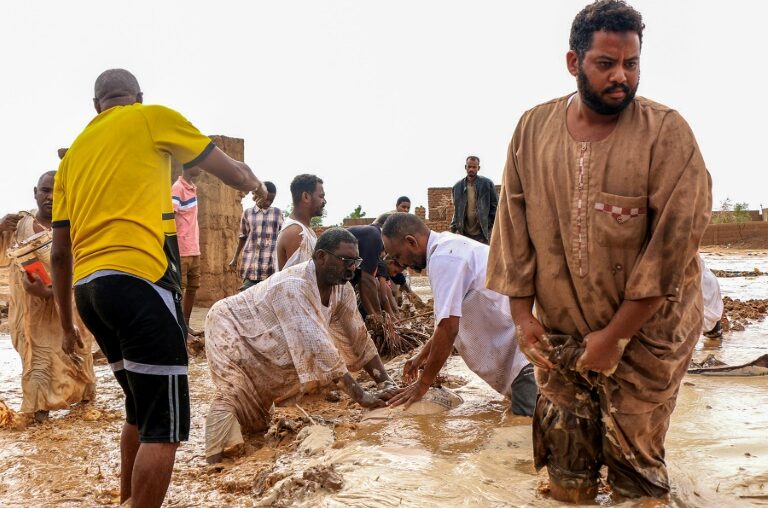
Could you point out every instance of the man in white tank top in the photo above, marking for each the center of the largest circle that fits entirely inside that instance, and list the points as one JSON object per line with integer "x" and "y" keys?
{"x": 296, "y": 241}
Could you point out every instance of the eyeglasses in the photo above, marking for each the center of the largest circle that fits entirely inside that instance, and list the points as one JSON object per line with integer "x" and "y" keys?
{"x": 350, "y": 262}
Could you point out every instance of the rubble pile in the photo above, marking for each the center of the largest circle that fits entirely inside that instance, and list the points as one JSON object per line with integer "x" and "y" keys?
{"x": 737, "y": 314}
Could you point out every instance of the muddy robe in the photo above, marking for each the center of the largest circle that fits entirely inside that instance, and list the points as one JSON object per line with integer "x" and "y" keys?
{"x": 274, "y": 342}
{"x": 584, "y": 226}
{"x": 49, "y": 379}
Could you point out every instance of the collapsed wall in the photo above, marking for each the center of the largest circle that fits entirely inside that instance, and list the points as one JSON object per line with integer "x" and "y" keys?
{"x": 219, "y": 211}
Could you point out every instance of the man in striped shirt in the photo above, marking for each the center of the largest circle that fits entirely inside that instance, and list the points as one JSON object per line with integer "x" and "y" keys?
{"x": 259, "y": 227}
{"x": 184, "y": 195}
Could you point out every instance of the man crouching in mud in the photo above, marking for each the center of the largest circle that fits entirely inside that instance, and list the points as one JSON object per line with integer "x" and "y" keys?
{"x": 605, "y": 198}
{"x": 297, "y": 331}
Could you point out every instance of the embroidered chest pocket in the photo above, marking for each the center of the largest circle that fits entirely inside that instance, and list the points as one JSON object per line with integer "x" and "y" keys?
{"x": 620, "y": 221}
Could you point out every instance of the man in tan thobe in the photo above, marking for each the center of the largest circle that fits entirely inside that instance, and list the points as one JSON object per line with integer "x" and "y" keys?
{"x": 50, "y": 379}
{"x": 605, "y": 198}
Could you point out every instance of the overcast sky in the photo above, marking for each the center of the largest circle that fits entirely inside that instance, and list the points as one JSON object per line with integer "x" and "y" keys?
{"x": 377, "y": 98}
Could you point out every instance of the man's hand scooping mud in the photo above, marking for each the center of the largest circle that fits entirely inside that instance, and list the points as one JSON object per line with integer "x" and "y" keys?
{"x": 410, "y": 394}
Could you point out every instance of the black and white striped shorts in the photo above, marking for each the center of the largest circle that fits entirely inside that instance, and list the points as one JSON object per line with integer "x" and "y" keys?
{"x": 140, "y": 328}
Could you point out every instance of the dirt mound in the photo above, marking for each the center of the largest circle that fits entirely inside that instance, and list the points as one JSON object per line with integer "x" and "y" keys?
{"x": 735, "y": 273}
{"x": 738, "y": 314}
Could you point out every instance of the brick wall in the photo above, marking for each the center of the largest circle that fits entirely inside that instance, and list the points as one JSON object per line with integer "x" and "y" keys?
{"x": 363, "y": 221}
{"x": 219, "y": 211}
{"x": 754, "y": 234}
{"x": 440, "y": 203}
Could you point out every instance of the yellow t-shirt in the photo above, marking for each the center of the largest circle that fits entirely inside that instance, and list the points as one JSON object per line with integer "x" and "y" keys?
{"x": 113, "y": 189}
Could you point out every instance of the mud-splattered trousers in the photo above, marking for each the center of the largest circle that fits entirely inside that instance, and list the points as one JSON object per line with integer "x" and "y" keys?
{"x": 574, "y": 440}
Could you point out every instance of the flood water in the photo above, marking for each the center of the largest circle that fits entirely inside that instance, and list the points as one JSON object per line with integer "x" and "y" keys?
{"x": 474, "y": 455}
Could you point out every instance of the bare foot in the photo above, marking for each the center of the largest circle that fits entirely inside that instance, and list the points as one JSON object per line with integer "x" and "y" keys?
{"x": 578, "y": 495}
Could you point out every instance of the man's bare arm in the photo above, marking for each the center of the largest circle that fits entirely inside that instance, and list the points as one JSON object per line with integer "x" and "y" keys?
{"x": 288, "y": 242}
{"x": 234, "y": 173}
{"x": 61, "y": 267}
{"x": 238, "y": 251}
{"x": 441, "y": 346}
{"x": 369, "y": 294}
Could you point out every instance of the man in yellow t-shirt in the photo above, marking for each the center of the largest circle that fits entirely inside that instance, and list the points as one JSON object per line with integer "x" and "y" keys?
{"x": 113, "y": 216}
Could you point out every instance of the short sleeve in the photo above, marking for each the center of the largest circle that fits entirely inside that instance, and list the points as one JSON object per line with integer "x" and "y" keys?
{"x": 680, "y": 200}
{"x": 60, "y": 212}
{"x": 176, "y": 136}
{"x": 450, "y": 279}
{"x": 176, "y": 195}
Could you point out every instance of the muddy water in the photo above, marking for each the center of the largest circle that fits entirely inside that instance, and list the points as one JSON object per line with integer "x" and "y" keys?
{"x": 473, "y": 455}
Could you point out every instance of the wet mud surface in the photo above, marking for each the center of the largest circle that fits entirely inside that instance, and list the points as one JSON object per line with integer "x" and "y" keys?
{"x": 325, "y": 453}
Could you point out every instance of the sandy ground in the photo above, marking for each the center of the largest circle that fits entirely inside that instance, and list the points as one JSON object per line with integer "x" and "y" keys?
{"x": 474, "y": 455}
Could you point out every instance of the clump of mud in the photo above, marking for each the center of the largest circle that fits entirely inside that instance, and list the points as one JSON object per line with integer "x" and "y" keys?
{"x": 275, "y": 488}
{"x": 3, "y": 317}
{"x": 738, "y": 314}
{"x": 735, "y": 273}
{"x": 10, "y": 419}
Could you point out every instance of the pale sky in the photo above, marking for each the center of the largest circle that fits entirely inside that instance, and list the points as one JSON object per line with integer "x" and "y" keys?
{"x": 377, "y": 98}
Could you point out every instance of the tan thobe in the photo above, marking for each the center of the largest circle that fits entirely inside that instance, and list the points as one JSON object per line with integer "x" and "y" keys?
{"x": 49, "y": 378}
{"x": 274, "y": 342}
{"x": 471, "y": 224}
{"x": 584, "y": 226}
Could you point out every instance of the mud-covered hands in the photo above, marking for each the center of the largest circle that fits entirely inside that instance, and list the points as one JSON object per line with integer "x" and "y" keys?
{"x": 410, "y": 394}
{"x": 371, "y": 400}
{"x": 602, "y": 352}
{"x": 532, "y": 341}
{"x": 412, "y": 366}
{"x": 35, "y": 286}
{"x": 71, "y": 338}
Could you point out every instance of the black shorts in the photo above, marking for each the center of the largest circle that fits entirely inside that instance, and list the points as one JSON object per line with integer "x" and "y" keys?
{"x": 140, "y": 328}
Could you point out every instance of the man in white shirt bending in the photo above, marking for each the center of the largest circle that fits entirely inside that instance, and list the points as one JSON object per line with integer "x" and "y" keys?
{"x": 474, "y": 319}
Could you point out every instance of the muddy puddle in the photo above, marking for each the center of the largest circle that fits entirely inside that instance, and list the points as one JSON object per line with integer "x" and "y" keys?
{"x": 474, "y": 455}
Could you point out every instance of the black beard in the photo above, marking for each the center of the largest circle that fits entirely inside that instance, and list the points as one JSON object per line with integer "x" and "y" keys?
{"x": 593, "y": 101}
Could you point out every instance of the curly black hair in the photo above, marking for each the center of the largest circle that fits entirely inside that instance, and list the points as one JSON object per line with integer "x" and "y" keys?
{"x": 301, "y": 184}
{"x": 608, "y": 15}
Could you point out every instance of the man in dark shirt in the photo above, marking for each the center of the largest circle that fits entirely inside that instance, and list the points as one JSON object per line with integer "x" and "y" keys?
{"x": 370, "y": 247}
{"x": 474, "y": 204}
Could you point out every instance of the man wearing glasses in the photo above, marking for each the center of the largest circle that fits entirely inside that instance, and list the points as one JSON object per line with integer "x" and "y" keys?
{"x": 295, "y": 332}
{"x": 476, "y": 320}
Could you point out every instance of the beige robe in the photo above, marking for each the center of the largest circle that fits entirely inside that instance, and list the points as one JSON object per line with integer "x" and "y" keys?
{"x": 583, "y": 226}
{"x": 49, "y": 378}
{"x": 274, "y": 342}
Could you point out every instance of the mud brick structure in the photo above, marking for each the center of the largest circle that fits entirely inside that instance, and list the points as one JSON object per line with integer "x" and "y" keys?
{"x": 752, "y": 234}
{"x": 219, "y": 212}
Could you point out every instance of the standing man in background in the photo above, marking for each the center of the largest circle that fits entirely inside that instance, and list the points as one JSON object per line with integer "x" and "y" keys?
{"x": 474, "y": 203}
{"x": 296, "y": 241}
{"x": 259, "y": 227}
{"x": 114, "y": 237}
{"x": 403, "y": 204}
{"x": 184, "y": 195}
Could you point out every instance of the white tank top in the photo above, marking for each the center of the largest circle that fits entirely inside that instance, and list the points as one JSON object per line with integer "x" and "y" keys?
{"x": 305, "y": 250}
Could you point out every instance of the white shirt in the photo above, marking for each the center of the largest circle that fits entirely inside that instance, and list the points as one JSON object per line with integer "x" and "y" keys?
{"x": 456, "y": 267}
{"x": 710, "y": 292}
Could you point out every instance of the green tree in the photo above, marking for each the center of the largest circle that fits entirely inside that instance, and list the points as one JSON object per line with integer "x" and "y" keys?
{"x": 357, "y": 213}
{"x": 741, "y": 212}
